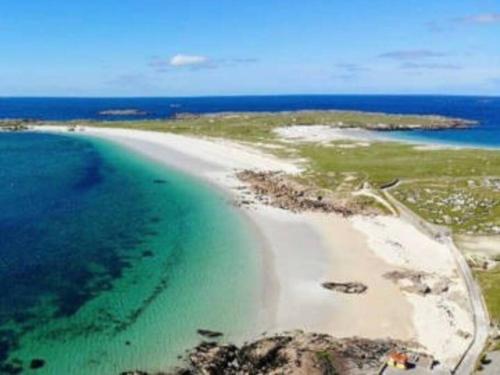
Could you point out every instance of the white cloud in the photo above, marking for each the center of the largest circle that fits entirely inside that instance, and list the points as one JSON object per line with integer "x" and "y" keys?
{"x": 444, "y": 66}
{"x": 197, "y": 62}
{"x": 180, "y": 60}
{"x": 412, "y": 54}
{"x": 480, "y": 19}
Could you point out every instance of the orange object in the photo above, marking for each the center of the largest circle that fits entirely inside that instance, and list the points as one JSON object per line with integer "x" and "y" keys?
{"x": 398, "y": 360}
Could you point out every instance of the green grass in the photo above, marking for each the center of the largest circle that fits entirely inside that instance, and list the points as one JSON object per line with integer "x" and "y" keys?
{"x": 466, "y": 205}
{"x": 490, "y": 284}
{"x": 431, "y": 180}
{"x": 381, "y": 163}
{"x": 326, "y": 362}
{"x": 258, "y": 126}
{"x": 235, "y": 129}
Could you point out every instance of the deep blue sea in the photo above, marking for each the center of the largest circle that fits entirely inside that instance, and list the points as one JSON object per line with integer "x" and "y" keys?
{"x": 485, "y": 110}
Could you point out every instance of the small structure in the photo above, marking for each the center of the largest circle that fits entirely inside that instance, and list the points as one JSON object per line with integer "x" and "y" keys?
{"x": 398, "y": 360}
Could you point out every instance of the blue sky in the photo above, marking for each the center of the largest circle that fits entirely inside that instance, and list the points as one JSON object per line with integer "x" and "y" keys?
{"x": 226, "y": 47}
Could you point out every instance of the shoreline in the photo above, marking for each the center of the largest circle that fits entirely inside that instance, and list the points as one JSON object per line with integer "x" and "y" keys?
{"x": 325, "y": 134}
{"x": 301, "y": 251}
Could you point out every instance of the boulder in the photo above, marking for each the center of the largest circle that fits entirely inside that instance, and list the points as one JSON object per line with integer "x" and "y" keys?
{"x": 347, "y": 288}
{"x": 209, "y": 334}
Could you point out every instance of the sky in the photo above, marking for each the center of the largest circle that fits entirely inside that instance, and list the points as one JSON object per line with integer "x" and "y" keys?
{"x": 237, "y": 47}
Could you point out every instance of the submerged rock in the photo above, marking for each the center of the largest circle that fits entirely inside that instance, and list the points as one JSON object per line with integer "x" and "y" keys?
{"x": 160, "y": 181}
{"x": 147, "y": 254}
{"x": 37, "y": 363}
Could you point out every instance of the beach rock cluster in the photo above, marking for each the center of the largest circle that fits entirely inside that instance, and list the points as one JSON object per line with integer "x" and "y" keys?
{"x": 421, "y": 283}
{"x": 278, "y": 190}
{"x": 292, "y": 353}
{"x": 347, "y": 288}
{"x": 16, "y": 124}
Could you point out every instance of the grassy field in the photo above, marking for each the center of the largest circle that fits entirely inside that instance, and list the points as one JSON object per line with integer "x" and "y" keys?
{"x": 470, "y": 205}
{"x": 490, "y": 284}
{"x": 452, "y": 187}
{"x": 258, "y": 126}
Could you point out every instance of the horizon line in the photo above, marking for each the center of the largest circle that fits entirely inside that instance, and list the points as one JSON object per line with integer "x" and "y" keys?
{"x": 239, "y": 96}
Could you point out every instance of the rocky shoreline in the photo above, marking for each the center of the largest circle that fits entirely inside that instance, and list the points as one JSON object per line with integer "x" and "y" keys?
{"x": 277, "y": 190}
{"x": 16, "y": 124}
{"x": 294, "y": 353}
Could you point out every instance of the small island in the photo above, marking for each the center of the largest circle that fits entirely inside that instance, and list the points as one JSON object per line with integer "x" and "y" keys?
{"x": 123, "y": 112}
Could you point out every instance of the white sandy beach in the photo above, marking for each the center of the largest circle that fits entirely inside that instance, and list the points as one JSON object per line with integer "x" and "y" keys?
{"x": 304, "y": 250}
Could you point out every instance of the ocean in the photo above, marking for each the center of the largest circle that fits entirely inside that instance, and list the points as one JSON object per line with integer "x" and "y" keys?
{"x": 485, "y": 110}
{"x": 110, "y": 262}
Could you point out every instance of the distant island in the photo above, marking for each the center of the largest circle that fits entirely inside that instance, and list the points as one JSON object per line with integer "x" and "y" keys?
{"x": 337, "y": 118}
{"x": 123, "y": 112}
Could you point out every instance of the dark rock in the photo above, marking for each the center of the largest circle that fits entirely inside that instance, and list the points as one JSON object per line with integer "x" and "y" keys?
{"x": 147, "y": 254}
{"x": 37, "y": 363}
{"x": 348, "y": 288}
{"x": 11, "y": 368}
{"x": 209, "y": 334}
{"x": 160, "y": 181}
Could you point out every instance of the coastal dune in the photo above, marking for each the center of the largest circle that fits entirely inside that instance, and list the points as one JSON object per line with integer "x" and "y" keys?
{"x": 300, "y": 251}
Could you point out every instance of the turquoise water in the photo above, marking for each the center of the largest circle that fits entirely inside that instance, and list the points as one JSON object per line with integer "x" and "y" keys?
{"x": 110, "y": 262}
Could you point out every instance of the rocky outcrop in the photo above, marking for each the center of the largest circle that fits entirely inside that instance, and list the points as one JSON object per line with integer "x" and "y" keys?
{"x": 422, "y": 283}
{"x": 347, "y": 288}
{"x": 278, "y": 190}
{"x": 291, "y": 353}
{"x": 16, "y": 124}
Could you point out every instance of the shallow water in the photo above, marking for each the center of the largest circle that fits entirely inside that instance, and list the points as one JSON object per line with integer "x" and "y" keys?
{"x": 110, "y": 262}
